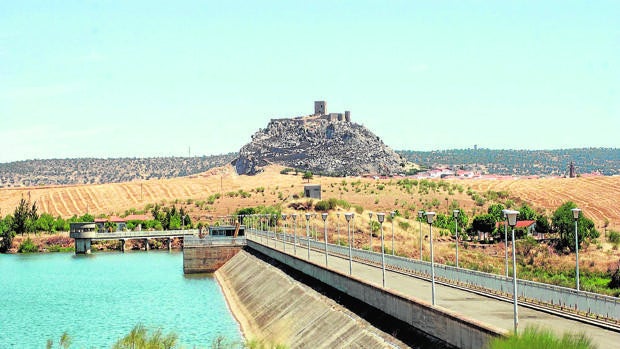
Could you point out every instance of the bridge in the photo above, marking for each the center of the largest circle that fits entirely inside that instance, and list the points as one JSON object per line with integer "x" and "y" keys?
{"x": 464, "y": 309}
{"x": 84, "y": 233}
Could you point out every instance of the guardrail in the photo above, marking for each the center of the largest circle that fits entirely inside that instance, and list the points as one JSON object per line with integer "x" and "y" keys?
{"x": 194, "y": 241}
{"x": 145, "y": 234}
{"x": 586, "y": 303}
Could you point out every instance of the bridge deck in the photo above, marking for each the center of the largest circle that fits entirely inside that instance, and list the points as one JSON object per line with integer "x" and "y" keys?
{"x": 498, "y": 313}
{"x": 145, "y": 234}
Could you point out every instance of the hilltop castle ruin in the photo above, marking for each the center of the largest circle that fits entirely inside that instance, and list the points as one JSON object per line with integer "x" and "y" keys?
{"x": 320, "y": 112}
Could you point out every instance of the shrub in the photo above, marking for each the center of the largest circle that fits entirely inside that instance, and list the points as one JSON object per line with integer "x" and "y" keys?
{"x": 358, "y": 209}
{"x": 613, "y": 237}
{"x": 533, "y": 337}
{"x": 28, "y": 247}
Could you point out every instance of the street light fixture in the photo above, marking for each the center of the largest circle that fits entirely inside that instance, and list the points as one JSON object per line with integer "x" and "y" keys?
{"x": 576, "y": 212}
{"x": 420, "y": 215}
{"x": 381, "y": 218}
{"x": 348, "y": 217}
{"x": 324, "y": 216}
{"x": 430, "y": 217}
{"x": 308, "y": 215}
{"x": 393, "y": 214}
{"x": 284, "y": 216}
{"x": 294, "y": 216}
{"x": 275, "y": 230}
{"x": 455, "y": 214}
{"x": 511, "y": 216}
{"x": 370, "y": 226}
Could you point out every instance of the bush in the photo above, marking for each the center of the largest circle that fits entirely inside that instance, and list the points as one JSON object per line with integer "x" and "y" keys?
{"x": 28, "y": 247}
{"x": 613, "y": 237}
{"x": 533, "y": 337}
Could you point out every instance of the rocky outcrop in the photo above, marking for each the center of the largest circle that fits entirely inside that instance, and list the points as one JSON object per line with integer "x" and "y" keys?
{"x": 338, "y": 148}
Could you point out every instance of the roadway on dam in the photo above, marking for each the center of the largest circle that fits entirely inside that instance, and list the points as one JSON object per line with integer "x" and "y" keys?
{"x": 485, "y": 309}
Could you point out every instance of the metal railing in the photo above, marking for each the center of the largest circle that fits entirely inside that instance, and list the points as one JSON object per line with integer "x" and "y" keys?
{"x": 144, "y": 234}
{"x": 581, "y": 302}
{"x": 195, "y": 241}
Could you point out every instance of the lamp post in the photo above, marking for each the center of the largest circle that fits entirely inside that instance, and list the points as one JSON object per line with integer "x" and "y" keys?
{"x": 324, "y": 216}
{"x": 381, "y": 218}
{"x": 576, "y": 212}
{"x": 512, "y": 221}
{"x": 348, "y": 217}
{"x": 430, "y": 217}
{"x": 455, "y": 214}
{"x": 420, "y": 215}
{"x": 353, "y": 233}
{"x": 275, "y": 230}
{"x": 308, "y": 215}
{"x": 284, "y": 216}
{"x": 506, "y": 240}
{"x": 294, "y": 216}
{"x": 338, "y": 227}
{"x": 370, "y": 226}
{"x": 393, "y": 214}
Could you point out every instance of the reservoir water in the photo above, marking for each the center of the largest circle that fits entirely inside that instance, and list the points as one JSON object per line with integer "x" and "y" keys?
{"x": 99, "y": 298}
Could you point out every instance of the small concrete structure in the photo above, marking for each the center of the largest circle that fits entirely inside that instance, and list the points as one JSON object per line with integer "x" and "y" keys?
{"x": 208, "y": 254}
{"x": 83, "y": 233}
{"x": 312, "y": 191}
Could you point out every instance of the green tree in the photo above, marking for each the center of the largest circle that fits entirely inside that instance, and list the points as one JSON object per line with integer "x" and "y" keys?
{"x": 526, "y": 213}
{"x": 564, "y": 223}
{"x": 484, "y": 223}
{"x": 59, "y": 224}
{"x": 6, "y": 233}
{"x": 20, "y": 217}
{"x": 307, "y": 176}
{"x": 495, "y": 210}
{"x": 45, "y": 222}
{"x": 542, "y": 224}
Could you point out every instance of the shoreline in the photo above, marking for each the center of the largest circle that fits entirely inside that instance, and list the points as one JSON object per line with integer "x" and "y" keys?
{"x": 232, "y": 302}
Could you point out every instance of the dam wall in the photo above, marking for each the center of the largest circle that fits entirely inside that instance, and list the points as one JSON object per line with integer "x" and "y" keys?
{"x": 454, "y": 329}
{"x": 271, "y": 305}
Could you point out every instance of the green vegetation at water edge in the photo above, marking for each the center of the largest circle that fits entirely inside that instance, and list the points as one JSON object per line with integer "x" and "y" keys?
{"x": 141, "y": 337}
{"x": 534, "y": 337}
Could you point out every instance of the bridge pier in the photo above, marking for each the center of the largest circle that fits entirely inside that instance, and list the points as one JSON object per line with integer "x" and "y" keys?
{"x": 169, "y": 244}
{"x": 122, "y": 241}
{"x": 146, "y": 244}
{"x": 82, "y": 246}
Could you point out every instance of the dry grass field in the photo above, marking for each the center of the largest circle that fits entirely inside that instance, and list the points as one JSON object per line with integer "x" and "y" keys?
{"x": 599, "y": 197}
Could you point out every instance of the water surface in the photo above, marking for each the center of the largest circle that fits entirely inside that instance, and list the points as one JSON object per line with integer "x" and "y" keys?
{"x": 98, "y": 299}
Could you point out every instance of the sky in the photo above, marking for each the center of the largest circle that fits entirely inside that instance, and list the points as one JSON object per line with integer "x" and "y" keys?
{"x": 161, "y": 78}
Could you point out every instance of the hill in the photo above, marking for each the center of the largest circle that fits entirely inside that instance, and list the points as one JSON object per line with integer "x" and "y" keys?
{"x": 100, "y": 171}
{"x": 329, "y": 144}
{"x": 522, "y": 162}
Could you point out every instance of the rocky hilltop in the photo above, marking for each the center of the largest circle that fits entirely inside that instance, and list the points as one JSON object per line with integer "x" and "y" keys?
{"x": 327, "y": 144}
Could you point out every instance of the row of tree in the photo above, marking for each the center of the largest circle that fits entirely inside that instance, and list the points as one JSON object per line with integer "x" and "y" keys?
{"x": 26, "y": 219}
{"x": 562, "y": 223}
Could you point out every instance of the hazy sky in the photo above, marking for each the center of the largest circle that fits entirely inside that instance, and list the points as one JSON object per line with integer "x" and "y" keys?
{"x": 150, "y": 78}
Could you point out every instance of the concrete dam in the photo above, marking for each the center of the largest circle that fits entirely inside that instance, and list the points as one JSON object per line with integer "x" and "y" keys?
{"x": 268, "y": 303}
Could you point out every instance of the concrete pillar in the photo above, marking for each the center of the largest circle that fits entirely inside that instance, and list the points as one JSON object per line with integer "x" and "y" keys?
{"x": 169, "y": 244}
{"x": 82, "y": 246}
{"x": 146, "y": 244}
{"x": 122, "y": 241}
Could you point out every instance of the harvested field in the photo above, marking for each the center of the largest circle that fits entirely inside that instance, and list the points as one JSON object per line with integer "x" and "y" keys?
{"x": 597, "y": 196}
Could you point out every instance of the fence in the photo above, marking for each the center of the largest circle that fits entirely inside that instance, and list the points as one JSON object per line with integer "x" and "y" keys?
{"x": 586, "y": 303}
